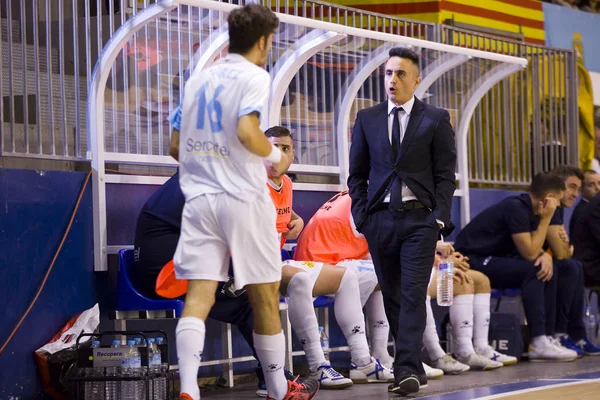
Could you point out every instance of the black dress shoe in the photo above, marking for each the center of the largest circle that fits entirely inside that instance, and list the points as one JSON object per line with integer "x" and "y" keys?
{"x": 406, "y": 383}
{"x": 422, "y": 381}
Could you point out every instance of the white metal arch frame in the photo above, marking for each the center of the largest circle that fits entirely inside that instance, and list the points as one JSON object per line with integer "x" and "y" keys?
{"x": 481, "y": 87}
{"x": 126, "y": 31}
{"x": 291, "y": 61}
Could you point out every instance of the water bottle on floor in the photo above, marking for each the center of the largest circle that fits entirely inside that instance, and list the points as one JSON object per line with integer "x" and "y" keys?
{"x": 449, "y": 338}
{"x": 590, "y": 323}
{"x": 324, "y": 342}
{"x": 113, "y": 388}
{"x": 445, "y": 282}
{"x": 94, "y": 390}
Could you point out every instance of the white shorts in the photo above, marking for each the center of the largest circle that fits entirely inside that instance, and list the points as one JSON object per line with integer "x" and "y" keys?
{"x": 216, "y": 227}
{"x": 367, "y": 279}
{"x": 312, "y": 268}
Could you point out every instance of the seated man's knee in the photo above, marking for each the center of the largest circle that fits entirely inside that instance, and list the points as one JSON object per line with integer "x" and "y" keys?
{"x": 300, "y": 284}
{"x": 350, "y": 279}
{"x": 463, "y": 288}
{"x": 480, "y": 281}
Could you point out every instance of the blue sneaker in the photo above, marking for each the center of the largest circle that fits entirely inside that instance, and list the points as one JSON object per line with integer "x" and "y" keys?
{"x": 588, "y": 348}
{"x": 570, "y": 344}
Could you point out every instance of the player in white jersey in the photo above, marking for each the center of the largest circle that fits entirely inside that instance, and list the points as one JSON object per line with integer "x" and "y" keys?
{"x": 228, "y": 209}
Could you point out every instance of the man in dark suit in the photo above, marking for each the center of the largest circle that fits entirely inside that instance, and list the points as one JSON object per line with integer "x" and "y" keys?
{"x": 589, "y": 189}
{"x": 587, "y": 239}
{"x": 401, "y": 181}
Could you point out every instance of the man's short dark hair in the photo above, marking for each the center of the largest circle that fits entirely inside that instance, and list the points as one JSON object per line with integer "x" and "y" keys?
{"x": 565, "y": 171}
{"x": 248, "y": 24}
{"x": 404, "y": 52}
{"x": 589, "y": 172}
{"x": 278, "y": 131}
{"x": 546, "y": 182}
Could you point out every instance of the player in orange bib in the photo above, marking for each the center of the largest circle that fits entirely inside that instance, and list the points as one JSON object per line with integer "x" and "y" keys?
{"x": 303, "y": 280}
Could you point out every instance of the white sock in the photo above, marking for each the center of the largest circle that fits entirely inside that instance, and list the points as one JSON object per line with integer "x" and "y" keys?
{"x": 461, "y": 316}
{"x": 271, "y": 355}
{"x": 481, "y": 321}
{"x": 379, "y": 327}
{"x": 350, "y": 318}
{"x": 303, "y": 319}
{"x": 189, "y": 335}
{"x": 431, "y": 340}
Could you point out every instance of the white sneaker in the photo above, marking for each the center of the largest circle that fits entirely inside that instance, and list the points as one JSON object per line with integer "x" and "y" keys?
{"x": 493, "y": 355}
{"x": 479, "y": 362}
{"x": 373, "y": 372}
{"x": 548, "y": 350}
{"x": 449, "y": 365}
{"x": 329, "y": 378}
{"x": 432, "y": 373}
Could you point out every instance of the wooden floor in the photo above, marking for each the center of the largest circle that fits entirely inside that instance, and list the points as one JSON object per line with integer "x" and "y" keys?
{"x": 571, "y": 390}
{"x": 564, "y": 381}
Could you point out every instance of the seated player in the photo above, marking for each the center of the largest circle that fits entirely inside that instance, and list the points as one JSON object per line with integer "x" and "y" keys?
{"x": 303, "y": 280}
{"x": 470, "y": 319}
{"x": 330, "y": 237}
{"x": 565, "y": 316}
{"x": 505, "y": 242}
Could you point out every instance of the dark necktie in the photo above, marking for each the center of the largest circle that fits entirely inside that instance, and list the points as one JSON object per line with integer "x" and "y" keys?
{"x": 396, "y": 185}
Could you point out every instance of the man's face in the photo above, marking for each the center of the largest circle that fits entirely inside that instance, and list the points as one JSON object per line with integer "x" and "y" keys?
{"x": 591, "y": 186}
{"x": 572, "y": 188}
{"x": 401, "y": 79}
{"x": 286, "y": 145}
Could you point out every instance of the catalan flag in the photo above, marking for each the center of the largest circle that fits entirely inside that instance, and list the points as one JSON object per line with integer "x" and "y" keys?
{"x": 518, "y": 16}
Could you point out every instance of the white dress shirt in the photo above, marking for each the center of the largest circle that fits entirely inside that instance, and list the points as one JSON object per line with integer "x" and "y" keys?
{"x": 403, "y": 116}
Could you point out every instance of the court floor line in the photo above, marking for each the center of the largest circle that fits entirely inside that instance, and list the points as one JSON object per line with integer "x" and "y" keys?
{"x": 513, "y": 387}
{"x": 535, "y": 389}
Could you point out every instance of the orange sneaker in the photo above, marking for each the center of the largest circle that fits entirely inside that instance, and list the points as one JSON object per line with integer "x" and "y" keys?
{"x": 305, "y": 390}
{"x": 185, "y": 396}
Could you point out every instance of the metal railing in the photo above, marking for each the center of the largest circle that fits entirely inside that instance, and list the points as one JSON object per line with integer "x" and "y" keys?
{"x": 524, "y": 125}
{"x": 528, "y": 122}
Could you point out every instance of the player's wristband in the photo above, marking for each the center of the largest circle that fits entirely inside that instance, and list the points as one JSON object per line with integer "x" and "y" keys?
{"x": 275, "y": 155}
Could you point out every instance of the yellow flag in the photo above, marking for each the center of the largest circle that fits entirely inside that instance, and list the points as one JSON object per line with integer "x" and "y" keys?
{"x": 585, "y": 102}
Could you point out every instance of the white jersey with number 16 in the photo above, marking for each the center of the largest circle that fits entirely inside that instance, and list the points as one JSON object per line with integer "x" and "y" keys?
{"x": 211, "y": 157}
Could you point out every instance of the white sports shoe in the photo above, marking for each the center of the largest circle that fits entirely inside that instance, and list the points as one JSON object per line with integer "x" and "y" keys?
{"x": 549, "y": 350}
{"x": 432, "y": 373}
{"x": 373, "y": 372}
{"x": 493, "y": 355}
{"x": 449, "y": 365}
{"x": 479, "y": 362}
{"x": 329, "y": 378}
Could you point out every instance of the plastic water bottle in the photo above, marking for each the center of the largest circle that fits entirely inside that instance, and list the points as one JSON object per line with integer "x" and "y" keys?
{"x": 94, "y": 390}
{"x": 590, "y": 322}
{"x": 113, "y": 388}
{"x": 164, "y": 368}
{"x": 445, "y": 282}
{"x": 159, "y": 383}
{"x": 324, "y": 342}
{"x": 132, "y": 367}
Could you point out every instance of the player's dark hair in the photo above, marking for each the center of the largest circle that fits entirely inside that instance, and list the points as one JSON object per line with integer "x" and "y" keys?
{"x": 565, "y": 171}
{"x": 407, "y": 53}
{"x": 546, "y": 182}
{"x": 278, "y": 131}
{"x": 248, "y": 24}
